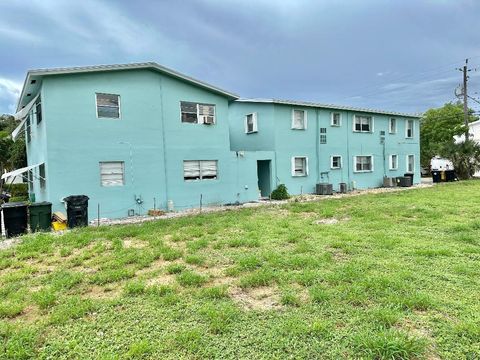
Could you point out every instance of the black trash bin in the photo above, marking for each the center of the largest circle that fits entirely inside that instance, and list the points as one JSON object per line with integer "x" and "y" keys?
{"x": 15, "y": 218}
{"x": 77, "y": 210}
{"x": 40, "y": 216}
{"x": 450, "y": 175}
{"x": 436, "y": 176}
{"x": 410, "y": 175}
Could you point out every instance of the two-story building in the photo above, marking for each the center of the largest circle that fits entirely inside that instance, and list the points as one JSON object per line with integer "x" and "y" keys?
{"x": 138, "y": 136}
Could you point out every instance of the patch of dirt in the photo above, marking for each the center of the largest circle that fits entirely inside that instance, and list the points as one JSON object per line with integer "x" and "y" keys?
{"x": 101, "y": 293}
{"x": 418, "y": 331}
{"x": 261, "y": 298}
{"x": 30, "y": 314}
{"x": 308, "y": 214}
{"x": 132, "y": 243}
{"x": 338, "y": 254}
{"x": 163, "y": 279}
{"x": 329, "y": 221}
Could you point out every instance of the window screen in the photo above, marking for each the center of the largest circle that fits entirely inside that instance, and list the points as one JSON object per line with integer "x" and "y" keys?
{"x": 112, "y": 173}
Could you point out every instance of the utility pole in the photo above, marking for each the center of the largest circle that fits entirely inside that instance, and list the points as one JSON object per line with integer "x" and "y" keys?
{"x": 465, "y": 71}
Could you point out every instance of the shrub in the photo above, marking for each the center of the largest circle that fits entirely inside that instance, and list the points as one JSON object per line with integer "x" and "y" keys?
{"x": 280, "y": 193}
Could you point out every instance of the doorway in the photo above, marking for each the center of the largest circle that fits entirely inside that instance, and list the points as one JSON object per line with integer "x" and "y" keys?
{"x": 263, "y": 172}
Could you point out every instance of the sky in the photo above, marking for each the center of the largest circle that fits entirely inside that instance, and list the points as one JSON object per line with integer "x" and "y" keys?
{"x": 380, "y": 54}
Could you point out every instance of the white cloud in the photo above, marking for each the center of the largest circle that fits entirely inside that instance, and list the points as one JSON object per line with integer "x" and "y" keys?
{"x": 9, "y": 93}
{"x": 19, "y": 35}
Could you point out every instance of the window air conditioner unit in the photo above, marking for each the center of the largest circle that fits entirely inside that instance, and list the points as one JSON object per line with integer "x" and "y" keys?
{"x": 208, "y": 120}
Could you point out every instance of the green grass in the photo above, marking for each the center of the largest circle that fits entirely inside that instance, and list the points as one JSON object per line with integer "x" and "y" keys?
{"x": 397, "y": 277}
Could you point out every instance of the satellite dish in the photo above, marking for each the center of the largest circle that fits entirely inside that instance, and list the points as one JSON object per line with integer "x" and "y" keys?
{"x": 459, "y": 91}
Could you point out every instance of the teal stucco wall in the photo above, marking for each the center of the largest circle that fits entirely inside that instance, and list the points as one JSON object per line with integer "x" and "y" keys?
{"x": 275, "y": 133}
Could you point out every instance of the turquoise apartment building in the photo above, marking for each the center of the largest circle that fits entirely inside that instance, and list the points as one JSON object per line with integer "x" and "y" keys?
{"x": 138, "y": 136}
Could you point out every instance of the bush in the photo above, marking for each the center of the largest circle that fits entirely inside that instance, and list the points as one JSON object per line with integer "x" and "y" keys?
{"x": 280, "y": 193}
{"x": 18, "y": 190}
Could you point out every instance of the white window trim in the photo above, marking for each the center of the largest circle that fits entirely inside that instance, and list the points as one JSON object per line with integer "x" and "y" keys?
{"x": 123, "y": 173}
{"x": 293, "y": 165}
{"x": 255, "y": 124}
{"x": 362, "y": 171}
{"x": 406, "y": 163}
{"x": 390, "y": 126}
{"x": 331, "y": 162}
{"x": 304, "y": 119}
{"x": 331, "y": 119}
{"x": 390, "y": 162}
{"x": 119, "y": 106}
{"x": 406, "y": 129}
{"x": 360, "y": 131}
{"x": 199, "y": 120}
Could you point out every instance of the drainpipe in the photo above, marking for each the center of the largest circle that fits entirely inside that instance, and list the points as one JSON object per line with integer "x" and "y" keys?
{"x": 348, "y": 152}
{"x": 317, "y": 144}
{"x": 162, "y": 121}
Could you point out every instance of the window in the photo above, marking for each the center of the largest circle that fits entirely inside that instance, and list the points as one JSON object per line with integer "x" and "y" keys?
{"x": 30, "y": 180}
{"x": 410, "y": 163}
{"x": 28, "y": 128}
{"x": 392, "y": 126}
{"x": 362, "y": 123}
{"x": 300, "y": 166}
{"x": 251, "y": 123}
{"x": 38, "y": 110}
{"x": 196, "y": 113}
{"x": 199, "y": 169}
{"x": 41, "y": 173}
{"x": 336, "y": 119}
{"x": 409, "y": 129}
{"x": 299, "y": 119}
{"x": 108, "y": 106}
{"x": 335, "y": 162}
{"x": 112, "y": 173}
{"x": 363, "y": 163}
{"x": 393, "y": 163}
{"x": 323, "y": 135}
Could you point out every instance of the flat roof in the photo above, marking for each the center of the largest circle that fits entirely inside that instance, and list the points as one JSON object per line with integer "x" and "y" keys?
{"x": 326, "y": 106}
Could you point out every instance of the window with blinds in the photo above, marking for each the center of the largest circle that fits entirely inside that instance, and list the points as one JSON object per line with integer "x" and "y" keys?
{"x": 112, "y": 173}
{"x": 410, "y": 163}
{"x": 363, "y": 163}
{"x": 393, "y": 162}
{"x": 196, "y": 113}
{"x": 108, "y": 106}
{"x": 409, "y": 129}
{"x": 199, "y": 169}
{"x": 336, "y": 119}
{"x": 335, "y": 162}
{"x": 299, "y": 119}
{"x": 362, "y": 123}
{"x": 41, "y": 173}
{"x": 299, "y": 166}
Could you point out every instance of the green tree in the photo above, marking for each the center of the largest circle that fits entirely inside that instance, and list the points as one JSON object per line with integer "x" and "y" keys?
{"x": 438, "y": 127}
{"x": 464, "y": 155}
{"x": 12, "y": 154}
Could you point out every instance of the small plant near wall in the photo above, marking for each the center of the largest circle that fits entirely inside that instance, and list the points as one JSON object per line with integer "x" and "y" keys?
{"x": 280, "y": 193}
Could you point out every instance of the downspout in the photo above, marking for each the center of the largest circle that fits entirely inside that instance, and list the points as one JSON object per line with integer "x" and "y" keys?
{"x": 162, "y": 121}
{"x": 317, "y": 145}
{"x": 348, "y": 152}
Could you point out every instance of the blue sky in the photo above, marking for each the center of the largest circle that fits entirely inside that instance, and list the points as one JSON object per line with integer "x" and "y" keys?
{"x": 384, "y": 54}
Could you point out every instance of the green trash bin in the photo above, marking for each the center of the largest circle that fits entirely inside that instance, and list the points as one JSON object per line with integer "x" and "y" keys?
{"x": 40, "y": 216}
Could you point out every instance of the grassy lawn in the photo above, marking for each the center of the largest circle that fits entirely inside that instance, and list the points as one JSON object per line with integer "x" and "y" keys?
{"x": 396, "y": 276}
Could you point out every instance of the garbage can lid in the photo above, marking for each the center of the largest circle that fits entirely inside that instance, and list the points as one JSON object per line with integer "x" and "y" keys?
{"x": 42, "y": 203}
{"x": 76, "y": 197}
{"x": 14, "y": 204}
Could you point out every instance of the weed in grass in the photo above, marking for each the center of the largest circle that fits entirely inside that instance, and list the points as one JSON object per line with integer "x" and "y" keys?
{"x": 243, "y": 242}
{"x": 190, "y": 278}
{"x": 195, "y": 260}
{"x": 290, "y": 298}
{"x": 160, "y": 290}
{"x": 320, "y": 328}
{"x": 64, "y": 252}
{"x": 64, "y": 280}
{"x": 390, "y": 345}
{"x": 249, "y": 262}
{"x": 197, "y": 244}
{"x": 261, "y": 277}
{"x": 45, "y": 298}
{"x": 467, "y": 329}
{"x": 111, "y": 275}
{"x": 175, "y": 268}
{"x": 412, "y": 301}
{"x": 188, "y": 340}
{"x": 73, "y": 308}
{"x": 318, "y": 294}
{"x": 170, "y": 254}
{"x": 384, "y": 317}
{"x": 134, "y": 288}
{"x": 219, "y": 317}
{"x": 9, "y": 309}
{"x": 19, "y": 343}
{"x": 139, "y": 350}
{"x": 214, "y": 292}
